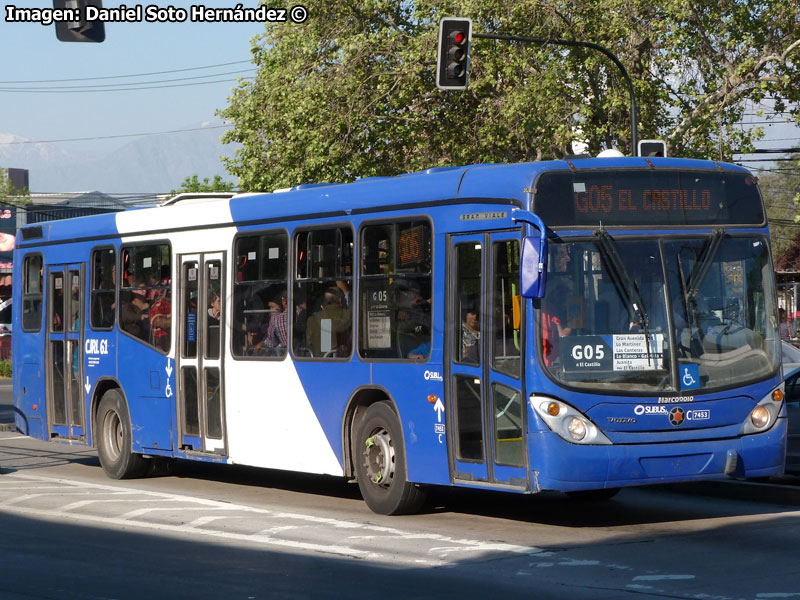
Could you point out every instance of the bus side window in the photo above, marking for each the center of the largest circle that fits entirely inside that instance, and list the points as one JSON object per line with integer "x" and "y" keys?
{"x": 395, "y": 291}
{"x": 32, "y": 293}
{"x": 259, "y": 289}
{"x": 104, "y": 278}
{"x": 322, "y": 306}
{"x": 146, "y": 294}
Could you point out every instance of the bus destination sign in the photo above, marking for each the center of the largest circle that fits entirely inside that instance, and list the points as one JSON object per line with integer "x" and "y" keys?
{"x": 647, "y": 197}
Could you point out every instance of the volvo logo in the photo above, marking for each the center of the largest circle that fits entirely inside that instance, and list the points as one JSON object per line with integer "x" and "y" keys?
{"x": 677, "y": 416}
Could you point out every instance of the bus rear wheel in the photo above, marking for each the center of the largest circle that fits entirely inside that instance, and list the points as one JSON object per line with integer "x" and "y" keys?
{"x": 115, "y": 440}
{"x": 381, "y": 464}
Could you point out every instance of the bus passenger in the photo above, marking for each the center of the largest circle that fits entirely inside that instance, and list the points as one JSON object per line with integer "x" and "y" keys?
{"x": 553, "y": 327}
{"x": 471, "y": 336}
{"x": 212, "y": 325}
{"x": 277, "y": 332}
{"x": 328, "y": 328}
{"x": 276, "y": 338}
{"x": 421, "y": 351}
{"x": 135, "y": 315}
{"x": 214, "y": 310}
{"x": 161, "y": 320}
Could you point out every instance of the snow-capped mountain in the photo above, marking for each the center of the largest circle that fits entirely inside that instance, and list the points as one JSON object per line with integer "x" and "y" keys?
{"x": 155, "y": 163}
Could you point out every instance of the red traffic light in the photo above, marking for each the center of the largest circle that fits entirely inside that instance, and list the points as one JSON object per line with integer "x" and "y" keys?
{"x": 452, "y": 64}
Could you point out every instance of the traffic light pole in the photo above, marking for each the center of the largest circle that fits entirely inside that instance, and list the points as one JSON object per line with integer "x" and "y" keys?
{"x": 593, "y": 46}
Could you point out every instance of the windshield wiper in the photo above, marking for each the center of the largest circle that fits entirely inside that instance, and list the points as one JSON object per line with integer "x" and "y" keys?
{"x": 626, "y": 285}
{"x": 701, "y": 266}
{"x": 690, "y": 288}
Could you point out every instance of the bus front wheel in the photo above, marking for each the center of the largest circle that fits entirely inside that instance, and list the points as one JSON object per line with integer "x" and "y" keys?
{"x": 114, "y": 442}
{"x": 381, "y": 464}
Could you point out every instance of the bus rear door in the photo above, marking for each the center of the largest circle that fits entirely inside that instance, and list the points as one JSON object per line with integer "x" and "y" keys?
{"x": 485, "y": 398}
{"x": 65, "y": 397}
{"x": 201, "y": 349}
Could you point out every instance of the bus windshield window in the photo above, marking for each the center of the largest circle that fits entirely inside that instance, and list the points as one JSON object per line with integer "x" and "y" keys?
{"x": 724, "y": 333}
{"x": 605, "y": 319}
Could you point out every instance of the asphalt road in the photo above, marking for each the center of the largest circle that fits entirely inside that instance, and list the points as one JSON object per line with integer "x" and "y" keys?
{"x": 212, "y": 531}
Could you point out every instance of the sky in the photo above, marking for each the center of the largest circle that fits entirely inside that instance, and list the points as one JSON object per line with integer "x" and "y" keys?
{"x": 31, "y": 52}
{"x": 164, "y": 102}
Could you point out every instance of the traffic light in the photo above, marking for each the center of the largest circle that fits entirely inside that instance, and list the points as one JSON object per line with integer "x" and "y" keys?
{"x": 652, "y": 148}
{"x": 452, "y": 64}
{"x": 80, "y": 30}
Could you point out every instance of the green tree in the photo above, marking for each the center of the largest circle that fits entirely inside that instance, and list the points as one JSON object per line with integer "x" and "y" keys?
{"x": 350, "y": 92}
{"x": 193, "y": 184}
{"x": 10, "y": 194}
{"x": 780, "y": 190}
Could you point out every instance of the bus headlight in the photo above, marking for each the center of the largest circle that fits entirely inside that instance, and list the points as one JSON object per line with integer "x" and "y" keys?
{"x": 765, "y": 414}
{"x": 577, "y": 429}
{"x": 760, "y": 417}
{"x": 567, "y": 422}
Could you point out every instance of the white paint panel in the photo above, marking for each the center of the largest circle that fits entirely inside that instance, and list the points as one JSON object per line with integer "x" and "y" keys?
{"x": 268, "y": 417}
{"x": 188, "y": 214}
{"x": 271, "y": 422}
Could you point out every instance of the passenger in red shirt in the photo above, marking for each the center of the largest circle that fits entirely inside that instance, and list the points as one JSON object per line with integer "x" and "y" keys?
{"x": 161, "y": 320}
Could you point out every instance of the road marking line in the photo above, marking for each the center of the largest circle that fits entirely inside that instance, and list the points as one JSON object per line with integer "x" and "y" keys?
{"x": 184, "y": 529}
{"x": 450, "y": 544}
{"x": 199, "y": 522}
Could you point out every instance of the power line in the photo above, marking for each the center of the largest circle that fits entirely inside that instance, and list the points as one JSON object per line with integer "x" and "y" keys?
{"x": 132, "y": 89}
{"x": 771, "y": 151}
{"x": 109, "y": 137}
{"x": 118, "y": 85}
{"x": 237, "y": 62}
{"x": 749, "y": 160}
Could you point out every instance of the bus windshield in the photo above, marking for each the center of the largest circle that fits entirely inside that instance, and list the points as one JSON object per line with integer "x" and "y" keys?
{"x": 679, "y": 314}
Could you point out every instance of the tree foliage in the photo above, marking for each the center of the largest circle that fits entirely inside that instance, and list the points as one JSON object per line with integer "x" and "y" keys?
{"x": 780, "y": 190}
{"x": 12, "y": 195}
{"x": 350, "y": 92}
{"x": 193, "y": 184}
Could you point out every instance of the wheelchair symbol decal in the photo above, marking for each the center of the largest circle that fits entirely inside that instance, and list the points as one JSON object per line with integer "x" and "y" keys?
{"x": 690, "y": 377}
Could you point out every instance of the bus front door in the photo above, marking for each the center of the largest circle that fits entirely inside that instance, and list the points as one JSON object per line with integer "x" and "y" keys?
{"x": 201, "y": 402}
{"x": 65, "y": 310}
{"x": 485, "y": 395}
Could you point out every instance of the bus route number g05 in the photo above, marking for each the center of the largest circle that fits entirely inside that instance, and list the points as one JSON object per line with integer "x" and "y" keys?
{"x": 588, "y": 352}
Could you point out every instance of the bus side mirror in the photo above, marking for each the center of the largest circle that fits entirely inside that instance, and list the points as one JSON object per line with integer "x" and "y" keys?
{"x": 533, "y": 268}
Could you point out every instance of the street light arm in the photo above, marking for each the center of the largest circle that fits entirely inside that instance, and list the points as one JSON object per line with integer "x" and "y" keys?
{"x": 593, "y": 46}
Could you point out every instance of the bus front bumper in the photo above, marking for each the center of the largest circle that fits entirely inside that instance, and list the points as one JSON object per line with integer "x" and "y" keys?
{"x": 565, "y": 467}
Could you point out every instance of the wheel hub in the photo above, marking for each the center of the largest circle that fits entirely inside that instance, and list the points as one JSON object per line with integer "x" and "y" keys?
{"x": 379, "y": 458}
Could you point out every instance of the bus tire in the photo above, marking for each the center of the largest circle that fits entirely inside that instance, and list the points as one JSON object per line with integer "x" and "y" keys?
{"x": 114, "y": 442}
{"x": 381, "y": 464}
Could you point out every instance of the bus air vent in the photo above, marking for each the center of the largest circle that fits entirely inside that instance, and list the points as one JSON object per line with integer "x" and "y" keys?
{"x": 32, "y": 233}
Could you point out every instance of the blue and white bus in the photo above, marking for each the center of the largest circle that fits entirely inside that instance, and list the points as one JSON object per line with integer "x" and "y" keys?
{"x": 576, "y": 325}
